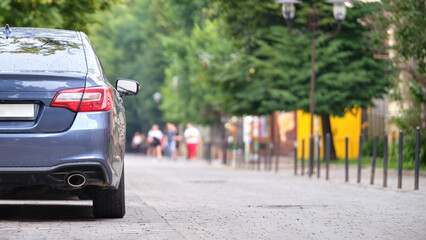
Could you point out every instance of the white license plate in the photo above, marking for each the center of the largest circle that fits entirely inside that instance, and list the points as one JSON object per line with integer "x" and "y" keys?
{"x": 17, "y": 111}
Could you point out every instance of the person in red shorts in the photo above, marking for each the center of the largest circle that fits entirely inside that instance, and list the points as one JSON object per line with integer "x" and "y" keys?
{"x": 192, "y": 138}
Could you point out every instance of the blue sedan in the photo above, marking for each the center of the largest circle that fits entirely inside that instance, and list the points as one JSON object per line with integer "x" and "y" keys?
{"x": 62, "y": 124}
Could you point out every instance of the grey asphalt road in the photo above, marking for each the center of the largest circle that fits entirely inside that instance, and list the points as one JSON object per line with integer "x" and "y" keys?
{"x": 194, "y": 200}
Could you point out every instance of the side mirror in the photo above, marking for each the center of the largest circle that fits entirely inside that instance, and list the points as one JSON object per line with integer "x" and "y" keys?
{"x": 127, "y": 87}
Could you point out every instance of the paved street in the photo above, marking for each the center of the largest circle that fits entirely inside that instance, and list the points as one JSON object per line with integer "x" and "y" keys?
{"x": 193, "y": 200}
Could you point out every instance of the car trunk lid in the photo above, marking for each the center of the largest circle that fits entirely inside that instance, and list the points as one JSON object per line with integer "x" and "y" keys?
{"x": 25, "y": 102}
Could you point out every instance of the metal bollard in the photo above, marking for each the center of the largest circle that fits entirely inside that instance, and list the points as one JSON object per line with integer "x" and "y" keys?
{"x": 240, "y": 157}
{"x": 244, "y": 156}
{"x": 346, "y": 160}
{"x": 271, "y": 159}
{"x": 319, "y": 156}
{"x": 225, "y": 152}
{"x": 270, "y": 155}
{"x": 400, "y": 145}
{"x": 311, "y": 155}
{"x": 295, "y": 158}
{"x": 373, "y": 164}
{"x": 277, "y": 153}
{"x": 251, "y": 157}
{"x": 417, "y": 158}
{"x": 359, "y": 160}
{"x": 303, "y": 157}
{"x": 258, "y": 158}
{"x": 385, "y": 161}
{"x": 266, "y": 157}
{"x": 209, "y": 152}
{"x": 327, "y": 154}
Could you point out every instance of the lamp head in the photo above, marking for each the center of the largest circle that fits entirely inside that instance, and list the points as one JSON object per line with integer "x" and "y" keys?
{"x": 339, "y": 9}
{"x": 288, "y": 8}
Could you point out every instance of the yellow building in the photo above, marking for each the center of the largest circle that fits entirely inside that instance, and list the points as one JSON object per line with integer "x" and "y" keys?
{"x": 348, "y": 125}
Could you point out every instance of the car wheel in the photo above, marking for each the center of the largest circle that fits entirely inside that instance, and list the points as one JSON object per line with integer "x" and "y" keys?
{"x": 110, "y": 203}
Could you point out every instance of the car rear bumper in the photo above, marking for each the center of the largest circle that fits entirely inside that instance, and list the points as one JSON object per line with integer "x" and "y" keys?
{"x": 94, "y": 173}
{"x": 40, "y": 159}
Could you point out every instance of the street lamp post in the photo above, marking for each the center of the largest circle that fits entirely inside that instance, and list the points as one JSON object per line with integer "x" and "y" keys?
{"x": 289, "y": 12}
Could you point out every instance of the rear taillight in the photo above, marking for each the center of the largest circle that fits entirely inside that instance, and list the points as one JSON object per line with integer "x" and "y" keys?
{"x": 93, "y": 99}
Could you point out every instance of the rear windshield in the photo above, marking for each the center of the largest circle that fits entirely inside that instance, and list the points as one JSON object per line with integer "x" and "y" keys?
{"x": 42, "y": 50}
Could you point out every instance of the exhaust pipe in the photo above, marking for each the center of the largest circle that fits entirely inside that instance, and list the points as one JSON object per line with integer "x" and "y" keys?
{"x": 76, "y": 180}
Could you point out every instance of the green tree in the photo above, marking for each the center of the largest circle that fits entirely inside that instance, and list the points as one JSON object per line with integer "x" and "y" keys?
{"x": 347, "y": 74}
{"x": 129, "y": 44}
{"x": 407, "y": 20}
{"x": 66, "y": 14}
{"x": 191, "y": 94}
{"x": 344, "y": 66}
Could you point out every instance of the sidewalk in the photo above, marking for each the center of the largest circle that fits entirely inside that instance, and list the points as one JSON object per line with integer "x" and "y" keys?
{"x": 336, "y": 173}
{"x": 213, "y": 201}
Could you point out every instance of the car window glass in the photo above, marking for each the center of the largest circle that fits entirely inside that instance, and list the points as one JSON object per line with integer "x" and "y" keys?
{"x": 26, "y": 52}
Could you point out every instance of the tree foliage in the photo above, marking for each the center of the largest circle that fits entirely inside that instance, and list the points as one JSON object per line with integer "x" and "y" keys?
{"x": 190, "y": 90}
{"x": 347, "y": 75}
{"x": 129, "y": 44}
{"x": 402, "y": 23}
{"x": 66, "y": 14}
{"x": 407, "y": 18}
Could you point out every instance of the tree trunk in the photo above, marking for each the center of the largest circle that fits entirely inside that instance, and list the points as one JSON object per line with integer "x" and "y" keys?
{"x": 326, "y": 128}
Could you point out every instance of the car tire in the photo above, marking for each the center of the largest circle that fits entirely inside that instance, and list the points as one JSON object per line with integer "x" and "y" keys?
{"x": 110, "y": 203}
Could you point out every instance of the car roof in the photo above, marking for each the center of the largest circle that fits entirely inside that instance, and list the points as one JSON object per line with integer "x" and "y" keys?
{"x": 44, "y": 32}
{"x": 42, "y": 50}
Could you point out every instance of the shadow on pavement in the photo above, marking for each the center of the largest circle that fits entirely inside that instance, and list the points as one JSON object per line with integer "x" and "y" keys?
{"x": 37, "y": 212}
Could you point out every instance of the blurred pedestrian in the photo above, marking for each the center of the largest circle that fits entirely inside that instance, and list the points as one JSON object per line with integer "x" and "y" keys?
{"x": 155, "y": 137}
{"x": 172, "y": 136}
{"x": 178, "y": 138}
{"x": 192, "y": 138}
{"x": 137, "y": 142}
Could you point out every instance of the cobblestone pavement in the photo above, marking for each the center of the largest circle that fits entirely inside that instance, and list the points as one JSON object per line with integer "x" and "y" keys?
{"x": 28, "y": 220}
{"x": 194, "y": 200}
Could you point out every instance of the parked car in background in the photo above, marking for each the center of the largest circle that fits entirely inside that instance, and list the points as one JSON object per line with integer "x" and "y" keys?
{"x": 62, "y": 124}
